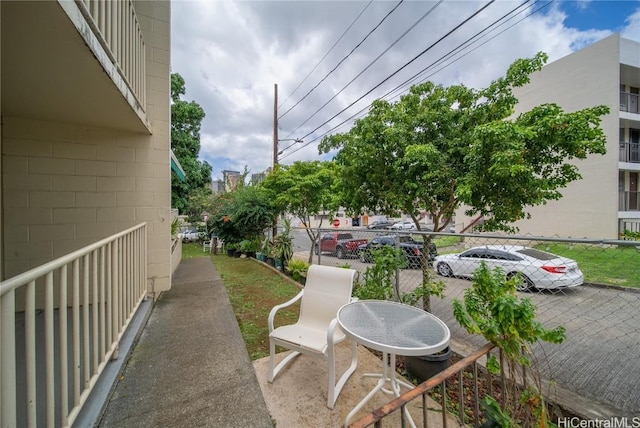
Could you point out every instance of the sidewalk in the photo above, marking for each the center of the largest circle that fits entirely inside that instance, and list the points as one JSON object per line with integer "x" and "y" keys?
{"x": 190, "y": 366}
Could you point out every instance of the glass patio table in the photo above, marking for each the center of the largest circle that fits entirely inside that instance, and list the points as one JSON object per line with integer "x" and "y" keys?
{"x": 394, "y": 329}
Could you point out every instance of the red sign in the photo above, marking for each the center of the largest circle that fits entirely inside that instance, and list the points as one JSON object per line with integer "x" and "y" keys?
{"x": 336, "y": 222}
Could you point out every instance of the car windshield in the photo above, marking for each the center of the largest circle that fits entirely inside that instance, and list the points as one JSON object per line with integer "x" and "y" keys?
{"x": 537, "y": 254}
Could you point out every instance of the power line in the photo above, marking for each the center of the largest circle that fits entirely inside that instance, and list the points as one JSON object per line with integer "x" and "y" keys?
{"x": 401, "y": 68}
{"x": 343, "y": 59}
{"x": 427, "y": 13}
{"x": 440, "y": 60}
{"x": 328, "y": 52}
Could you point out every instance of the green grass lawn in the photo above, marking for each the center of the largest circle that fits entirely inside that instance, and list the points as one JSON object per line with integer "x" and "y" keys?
{"x": 609, "y": 265}
{"x": 253, "y": 290}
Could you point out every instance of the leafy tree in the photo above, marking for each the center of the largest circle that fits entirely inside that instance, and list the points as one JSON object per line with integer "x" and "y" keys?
{"x": 439, "y": 147}
{"x": 186, "y": 118}
{"x": 492, "y": 309}
{"x": 243, "y": 214}
{"x": 303, "y": 189}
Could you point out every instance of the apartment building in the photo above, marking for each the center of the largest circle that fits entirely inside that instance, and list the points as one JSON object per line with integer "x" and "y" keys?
{"x": 85, "y": 143}
{"x": 606, "y": 201}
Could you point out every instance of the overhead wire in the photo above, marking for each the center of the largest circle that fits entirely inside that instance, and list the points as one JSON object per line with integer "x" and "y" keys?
{"x": 435, "y": 63}
{"x": 442, "y": 59}
{"x": 370, "y": 64}
{"x": 327, "y": 54}
{"x": 343, "y": 59}
{"x": 427, "y": 13}
{"x": 396, "y": 72}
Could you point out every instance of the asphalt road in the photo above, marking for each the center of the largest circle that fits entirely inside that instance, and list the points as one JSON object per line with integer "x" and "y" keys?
{"x": 595, "y": 371}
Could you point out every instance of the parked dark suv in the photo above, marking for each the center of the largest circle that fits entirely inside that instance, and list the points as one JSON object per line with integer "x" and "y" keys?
{"x": 411, "y": 248}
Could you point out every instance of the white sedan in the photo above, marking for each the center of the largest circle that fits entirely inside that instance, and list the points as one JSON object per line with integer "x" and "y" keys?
{"x": 403, "y": 225}
{"x": 537, "y": 269}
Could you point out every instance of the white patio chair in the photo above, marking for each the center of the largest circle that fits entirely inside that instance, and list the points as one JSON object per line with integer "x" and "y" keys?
{"x": 316, "y": 332}
{"x": 206, "y": 246}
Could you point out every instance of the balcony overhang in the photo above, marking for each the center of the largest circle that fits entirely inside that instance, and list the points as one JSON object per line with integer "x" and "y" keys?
{"x": 54, "y": 68}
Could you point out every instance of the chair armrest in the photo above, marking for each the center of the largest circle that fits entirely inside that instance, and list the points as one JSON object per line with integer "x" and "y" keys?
{"x": 272, "y": 313}
{"x": 331, "y": 331}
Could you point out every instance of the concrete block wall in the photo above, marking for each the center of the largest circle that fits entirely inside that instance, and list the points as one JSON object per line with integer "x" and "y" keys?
{"x": 67, "y": 185}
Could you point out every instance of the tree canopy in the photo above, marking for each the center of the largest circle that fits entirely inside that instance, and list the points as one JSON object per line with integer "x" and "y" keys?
{"x": 303, "y": 189}
{"x": 439, "y": 147}
{"x": 186, "y": 118}
{"x": 242, "y": 214}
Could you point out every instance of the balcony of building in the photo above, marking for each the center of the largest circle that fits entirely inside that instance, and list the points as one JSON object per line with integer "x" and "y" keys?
{"x": 629, "y": 152}
{"x": 74, "y": 62}
{"x": 629, "y": 201}
{"x": 629, "y": 102}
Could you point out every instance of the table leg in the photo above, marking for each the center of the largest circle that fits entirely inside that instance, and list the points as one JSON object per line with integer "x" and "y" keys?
{"x": 388, "y": 375}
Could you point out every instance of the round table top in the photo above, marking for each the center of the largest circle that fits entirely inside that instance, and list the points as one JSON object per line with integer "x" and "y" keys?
{"x": 393, "y": 327}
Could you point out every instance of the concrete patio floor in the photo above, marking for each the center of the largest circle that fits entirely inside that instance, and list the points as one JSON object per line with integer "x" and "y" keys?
{"x": 298, "y": 395}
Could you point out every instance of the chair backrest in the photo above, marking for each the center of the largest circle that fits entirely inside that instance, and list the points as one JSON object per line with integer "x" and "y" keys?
{"x": 326, "y": 289}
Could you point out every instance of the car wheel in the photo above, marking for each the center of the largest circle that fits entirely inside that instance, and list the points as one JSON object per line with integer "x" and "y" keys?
{"x": 444, "y": 269}
{"x": 524, "y": 283}
{"x": 363, "y": 258}
{"x": 340, "y": 253}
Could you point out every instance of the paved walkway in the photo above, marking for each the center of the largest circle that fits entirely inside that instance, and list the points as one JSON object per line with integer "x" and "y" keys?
{"x": 190, "y": 367}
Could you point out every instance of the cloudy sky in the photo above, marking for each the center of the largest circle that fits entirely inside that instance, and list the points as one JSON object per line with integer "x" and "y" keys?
{"x": 331, "y": 59}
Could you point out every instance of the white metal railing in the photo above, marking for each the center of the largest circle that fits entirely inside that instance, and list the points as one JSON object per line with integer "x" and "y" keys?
{"x": 629, "y": 152}
{"x": 101, "y": 287}
{"x": 116, "y": 25}
{"x": 629, "y": 102}
{"x": 629, "y": 201}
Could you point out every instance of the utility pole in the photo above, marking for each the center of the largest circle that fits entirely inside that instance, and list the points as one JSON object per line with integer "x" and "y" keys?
{"x": 274, "y": 230}
{"x": 275, "y": 125}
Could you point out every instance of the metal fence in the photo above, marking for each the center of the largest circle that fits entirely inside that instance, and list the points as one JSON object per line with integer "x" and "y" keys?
{"x": 598, "y": 361}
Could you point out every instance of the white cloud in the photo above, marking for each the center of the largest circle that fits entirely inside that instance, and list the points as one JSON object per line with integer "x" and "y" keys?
{"x": 231, "y": 54}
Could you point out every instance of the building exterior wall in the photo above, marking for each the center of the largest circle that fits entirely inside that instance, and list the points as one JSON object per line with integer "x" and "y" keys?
{"x": 589, "y": 207}
{"x": 66, "y": 185}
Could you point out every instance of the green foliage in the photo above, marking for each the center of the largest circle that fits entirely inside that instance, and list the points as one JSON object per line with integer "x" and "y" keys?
{"x": 283, "y": 244}
{"x": 439, "y": 147}
{"x": 491, "y": 308}
{"x": 303, "y": 189}
{"x": 245, "y": 245}
{"x": 242, "y": 214}
{"x": 297, "y": 268}
{"x": 175, "y": 225}
{"x": 378, "y": 281}
{"x": 186, "y": 118}
{"x": 494, "y": 414}
{"x": 267, "y": 247}
{"x": 633, "y": 236}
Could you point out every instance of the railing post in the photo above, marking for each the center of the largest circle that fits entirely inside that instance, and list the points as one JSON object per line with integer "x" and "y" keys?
{"x": 8, "y": 359}
{"x": 64, "y": 340}
{"x": 30, "y": 352}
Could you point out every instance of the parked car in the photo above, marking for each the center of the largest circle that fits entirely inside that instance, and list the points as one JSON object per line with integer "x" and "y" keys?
{"x": 340, "y": 244}
{"x": 537, "y": 269}
{"x": 411, "y": 248}
{"x": 403, "y": 225}
{"x": 190, "y": 235}
{"x": 379, "y": 224}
